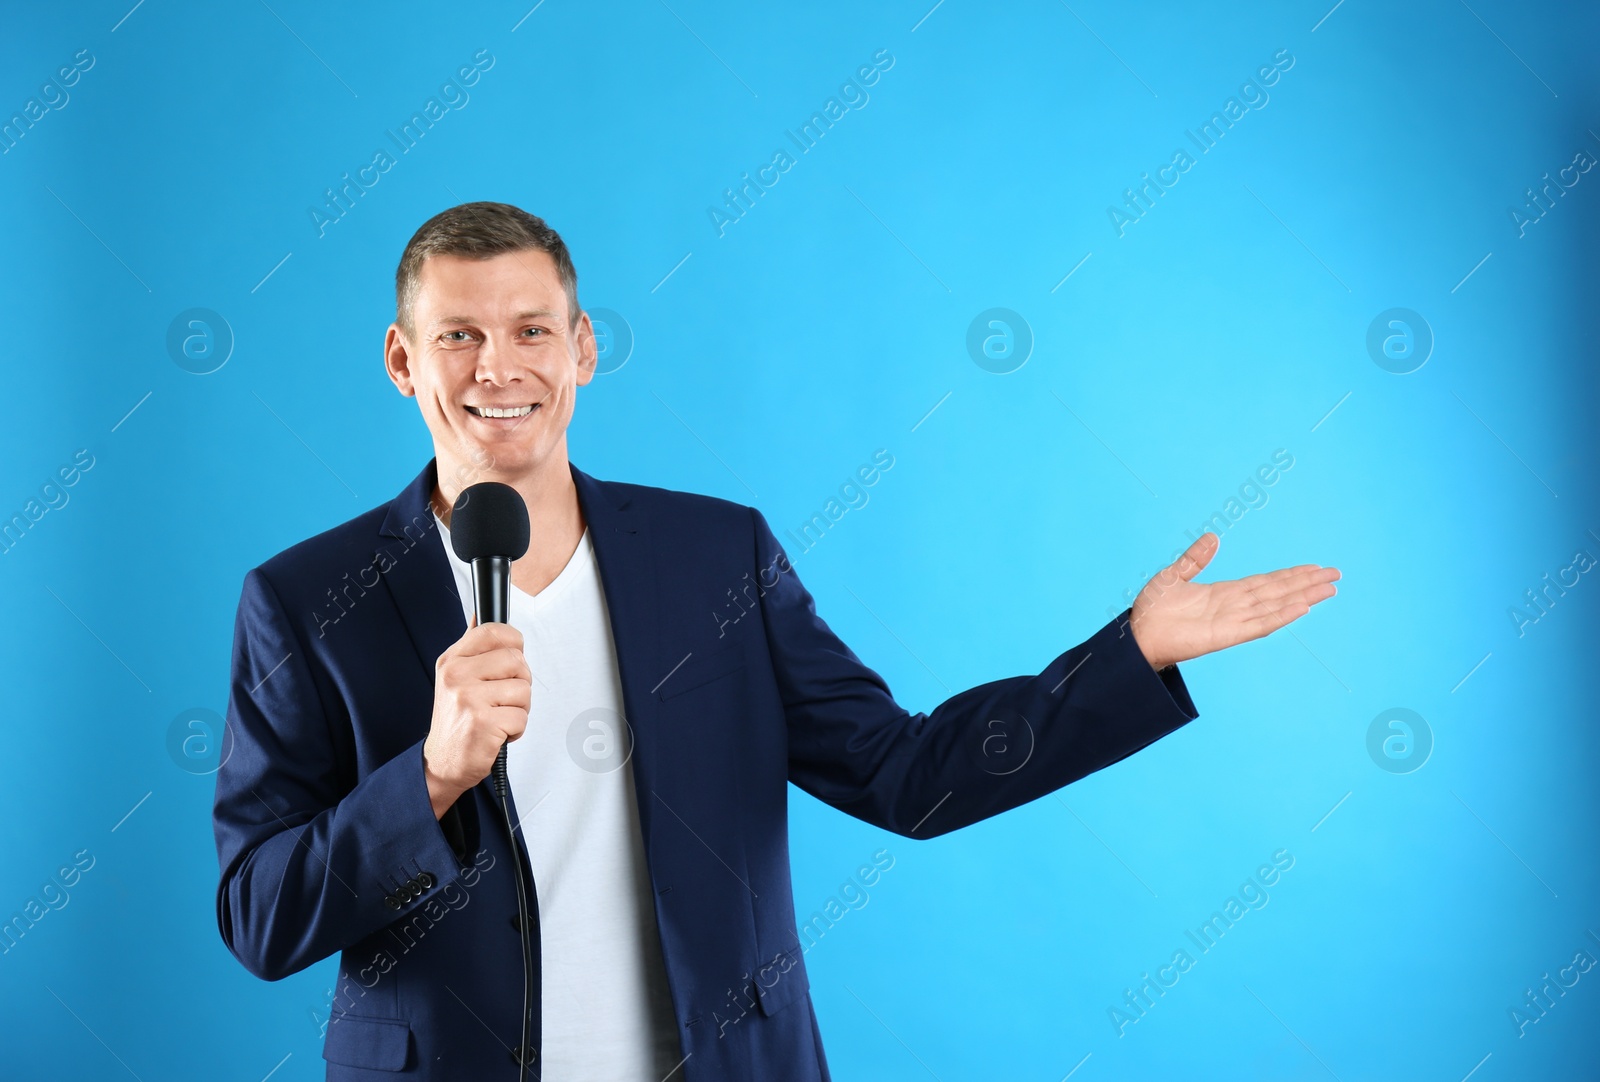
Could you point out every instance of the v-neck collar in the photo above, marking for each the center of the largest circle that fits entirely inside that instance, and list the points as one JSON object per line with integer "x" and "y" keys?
{"x": 577, "y": 564}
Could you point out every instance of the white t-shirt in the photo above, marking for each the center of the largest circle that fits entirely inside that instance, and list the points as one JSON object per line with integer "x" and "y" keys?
{"x": 607, "y": 1009}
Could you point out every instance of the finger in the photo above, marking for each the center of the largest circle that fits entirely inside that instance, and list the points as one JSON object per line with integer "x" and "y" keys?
{"x": 1256, "y": 582}
{"x": 1267, "y": 623}
{"x": 511, "y": 721}
{"x": 461, "y": 646}
{"x": 487, "y": 637}
{"x": 1293, "y": 583}
{"x": 1196, "y": 556}
{"x": 1317, "y": 584}
{"x": 504, "y": 664}
{"x": 513, "y": 691}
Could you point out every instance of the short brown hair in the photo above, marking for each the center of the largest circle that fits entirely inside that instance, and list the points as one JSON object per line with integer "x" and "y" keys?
{"x": 479, "y": 231}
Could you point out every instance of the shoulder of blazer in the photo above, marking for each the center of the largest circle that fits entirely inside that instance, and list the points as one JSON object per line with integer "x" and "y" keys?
{"x": 302, "y": 571}
{"x": 670, "y": 506}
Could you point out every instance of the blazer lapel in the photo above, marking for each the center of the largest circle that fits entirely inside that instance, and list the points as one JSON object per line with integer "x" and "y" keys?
{"x": 625, "y": 553}
{"x": 413, "y": 563}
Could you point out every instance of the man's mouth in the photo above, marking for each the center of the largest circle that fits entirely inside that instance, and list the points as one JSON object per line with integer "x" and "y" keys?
{"x": 507, "y": 411}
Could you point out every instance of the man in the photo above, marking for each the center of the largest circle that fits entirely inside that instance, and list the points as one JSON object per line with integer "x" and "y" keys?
{"x": 650, "y": 745}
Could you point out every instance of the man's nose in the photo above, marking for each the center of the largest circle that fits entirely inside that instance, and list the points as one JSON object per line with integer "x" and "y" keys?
{"x": 497, "y": 362}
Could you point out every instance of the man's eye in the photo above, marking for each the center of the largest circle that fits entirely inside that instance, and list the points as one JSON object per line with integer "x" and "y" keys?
{"x": 449, "y": 336}
{"x": 539, "y": 331}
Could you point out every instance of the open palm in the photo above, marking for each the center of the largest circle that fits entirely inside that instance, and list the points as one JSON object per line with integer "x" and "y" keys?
{"x": 1175, "y": 618}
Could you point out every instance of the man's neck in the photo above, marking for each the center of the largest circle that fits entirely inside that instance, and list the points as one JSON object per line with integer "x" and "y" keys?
{"x": 555, "y": 518}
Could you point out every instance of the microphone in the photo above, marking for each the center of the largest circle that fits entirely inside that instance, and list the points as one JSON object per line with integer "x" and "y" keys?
{"x": 488, "y": 530}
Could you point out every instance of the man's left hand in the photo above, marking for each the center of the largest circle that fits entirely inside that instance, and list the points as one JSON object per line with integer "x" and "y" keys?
{"x": 1175, "y": 619}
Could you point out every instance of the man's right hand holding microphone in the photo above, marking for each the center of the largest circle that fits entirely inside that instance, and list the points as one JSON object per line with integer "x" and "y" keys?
{"x": 481, "y": 692}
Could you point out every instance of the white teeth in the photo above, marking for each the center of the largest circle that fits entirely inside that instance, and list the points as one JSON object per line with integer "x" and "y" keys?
{"x": 488, "y": 411}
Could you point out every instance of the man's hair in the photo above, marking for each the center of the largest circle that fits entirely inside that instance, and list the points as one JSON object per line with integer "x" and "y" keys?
{"x": 479, "y": 231}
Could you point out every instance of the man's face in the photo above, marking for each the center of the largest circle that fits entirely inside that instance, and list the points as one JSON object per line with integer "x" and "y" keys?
{"x": 491, "y": 335}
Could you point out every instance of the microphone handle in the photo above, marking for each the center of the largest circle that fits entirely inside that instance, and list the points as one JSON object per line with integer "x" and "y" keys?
{"x": 491, "y": 588}
{"x": 491, "y": 592}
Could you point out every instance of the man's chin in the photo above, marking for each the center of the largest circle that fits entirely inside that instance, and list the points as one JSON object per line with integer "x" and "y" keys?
{"x": 497, "y": 460}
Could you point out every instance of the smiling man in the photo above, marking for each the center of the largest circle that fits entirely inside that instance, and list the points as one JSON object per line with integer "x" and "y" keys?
{"x": 651, "y": 744}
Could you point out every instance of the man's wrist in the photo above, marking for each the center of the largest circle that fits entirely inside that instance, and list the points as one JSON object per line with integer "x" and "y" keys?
{"x": 1156, "y": 663}
{"x": 441, "y": 794}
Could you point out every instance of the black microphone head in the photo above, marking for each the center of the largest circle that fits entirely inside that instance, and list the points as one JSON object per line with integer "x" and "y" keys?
{"x": 489, "y": 519}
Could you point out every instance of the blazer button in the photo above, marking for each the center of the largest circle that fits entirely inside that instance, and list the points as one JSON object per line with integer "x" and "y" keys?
{"x": 425, "y": 880}
{"x": 391, "y": 901}
{"x": 533, "y": 1055}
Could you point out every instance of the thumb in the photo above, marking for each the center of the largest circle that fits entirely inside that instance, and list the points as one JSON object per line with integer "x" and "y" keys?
{"x": 1197, "y": 556}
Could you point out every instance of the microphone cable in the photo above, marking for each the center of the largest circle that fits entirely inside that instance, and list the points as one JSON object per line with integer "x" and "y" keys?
{"x": 502, "y": 789}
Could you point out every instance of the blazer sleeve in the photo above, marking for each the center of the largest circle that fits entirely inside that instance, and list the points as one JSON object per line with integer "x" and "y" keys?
{"x": 980, "y": 752}
{"x": 309, "y": 864}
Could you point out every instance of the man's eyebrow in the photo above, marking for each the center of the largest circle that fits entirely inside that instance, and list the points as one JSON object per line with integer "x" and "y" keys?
{"x": 531, "y": 313}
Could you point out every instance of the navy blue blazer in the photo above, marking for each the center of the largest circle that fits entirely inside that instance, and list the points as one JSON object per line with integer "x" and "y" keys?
{"x": 327, "y": 842}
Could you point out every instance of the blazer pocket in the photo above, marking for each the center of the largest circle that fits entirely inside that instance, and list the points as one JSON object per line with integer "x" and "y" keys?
{"x": 382, "y": 1044}
{"x": 698, "y": 671}
{"x": 781, "y": 981}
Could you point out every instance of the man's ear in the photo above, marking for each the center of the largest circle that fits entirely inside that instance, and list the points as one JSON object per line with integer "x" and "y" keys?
{"x": 397, "y": 360}
{"x": 588, "y": 353}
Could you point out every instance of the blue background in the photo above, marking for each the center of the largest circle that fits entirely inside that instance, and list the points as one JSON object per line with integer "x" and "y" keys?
{"x": 770, "y": 361}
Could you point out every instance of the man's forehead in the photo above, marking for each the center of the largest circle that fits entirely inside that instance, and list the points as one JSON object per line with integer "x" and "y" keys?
{"x": 529, "y": 265}
{"x": 515, "y": 317}
{"x": 510, "y": 286}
